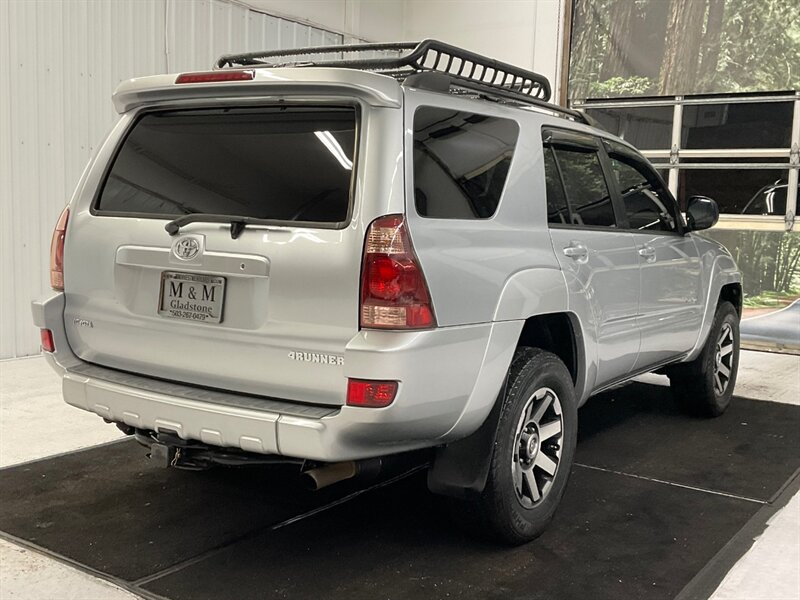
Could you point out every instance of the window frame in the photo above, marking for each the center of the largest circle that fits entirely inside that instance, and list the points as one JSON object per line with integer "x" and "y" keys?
{"x": 139, "y": 115}
{"x": 446, "y": 169}
{"x": 613, "y": 147}
{"x": 548, "y": 149}
{"x": 578, "y": 141}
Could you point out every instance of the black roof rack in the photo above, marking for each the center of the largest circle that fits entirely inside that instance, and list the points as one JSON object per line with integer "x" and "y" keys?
{"x": 416, "y": 63}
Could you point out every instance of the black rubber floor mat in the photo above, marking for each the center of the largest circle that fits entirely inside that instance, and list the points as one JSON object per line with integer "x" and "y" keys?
{"x": 111, "y": 509}
{"x": 749, "y": 451}
{"x": 613, "y": 537}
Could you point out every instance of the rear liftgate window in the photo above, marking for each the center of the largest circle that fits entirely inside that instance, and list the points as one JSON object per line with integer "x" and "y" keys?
{"x": 461, "y": 162}
{"x": 277, "y": 163}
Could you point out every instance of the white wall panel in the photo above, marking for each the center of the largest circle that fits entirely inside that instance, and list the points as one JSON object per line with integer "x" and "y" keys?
{"x": 521, "y": 32}
{"x": 373, "y": 20}
{"x": 59, "y": 63}
{"x": 7, "y": 292}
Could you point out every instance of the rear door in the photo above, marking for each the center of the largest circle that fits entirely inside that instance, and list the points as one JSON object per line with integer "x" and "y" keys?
{"x": 267, "y": 309}
{"x": 599, "y": 261}
{"x": 671, "y": 303}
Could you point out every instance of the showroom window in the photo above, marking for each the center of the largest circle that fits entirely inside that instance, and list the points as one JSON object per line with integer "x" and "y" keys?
{"x": 741, "y": 125}
{"x": 646, "y": 127}
{"x": 743, "y": 150}
{"x": 738, "y": 187}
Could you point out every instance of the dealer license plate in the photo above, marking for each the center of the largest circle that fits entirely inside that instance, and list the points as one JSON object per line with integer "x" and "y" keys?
{"x": 191, "y": 297}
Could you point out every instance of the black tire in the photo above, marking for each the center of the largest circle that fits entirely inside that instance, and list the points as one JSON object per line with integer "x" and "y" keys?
{"x": 696, "y": 385}
{"x": 500, "y": 510}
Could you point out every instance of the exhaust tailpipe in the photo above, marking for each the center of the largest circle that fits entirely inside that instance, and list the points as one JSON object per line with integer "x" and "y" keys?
{"x": 322, "y": 477}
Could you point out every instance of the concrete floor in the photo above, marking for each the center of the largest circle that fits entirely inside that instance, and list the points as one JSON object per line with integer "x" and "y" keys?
{"x": 28, "y": 575}
{"x": 771, "y": 569}
{"x": 34, "y": 420}
{"x": 35, "y": 423}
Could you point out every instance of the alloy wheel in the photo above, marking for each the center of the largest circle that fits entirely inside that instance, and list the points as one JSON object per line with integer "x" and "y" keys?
{"x": 537, "y": 447}
{"x": 723, "y": 359}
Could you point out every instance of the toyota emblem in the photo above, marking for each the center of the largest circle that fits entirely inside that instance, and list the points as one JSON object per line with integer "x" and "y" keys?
{"x": 186, "y": 248}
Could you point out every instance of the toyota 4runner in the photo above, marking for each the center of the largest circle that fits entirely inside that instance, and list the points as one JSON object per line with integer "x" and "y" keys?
{"x": 306, "y": 257}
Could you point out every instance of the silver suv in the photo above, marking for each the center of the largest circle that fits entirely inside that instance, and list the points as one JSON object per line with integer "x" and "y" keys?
{"x": 299, "y": 257}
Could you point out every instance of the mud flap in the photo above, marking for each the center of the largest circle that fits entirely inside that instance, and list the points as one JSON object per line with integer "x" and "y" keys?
{"x": 460, "y": 469}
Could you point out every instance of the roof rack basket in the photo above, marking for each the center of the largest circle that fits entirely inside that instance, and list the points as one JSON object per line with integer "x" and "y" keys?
{"x": 465, "y": 70}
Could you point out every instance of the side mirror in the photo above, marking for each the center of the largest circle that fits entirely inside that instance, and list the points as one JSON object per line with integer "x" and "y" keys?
{"x": 701, "y": 213}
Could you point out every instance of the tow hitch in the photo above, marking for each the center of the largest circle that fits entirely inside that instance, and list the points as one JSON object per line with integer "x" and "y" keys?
{"x": 164, "y": 456}
{"x": 168, "y": 449}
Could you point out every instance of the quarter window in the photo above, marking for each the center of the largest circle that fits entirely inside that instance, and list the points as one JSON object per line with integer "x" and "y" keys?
{"x": 461, "y": 162}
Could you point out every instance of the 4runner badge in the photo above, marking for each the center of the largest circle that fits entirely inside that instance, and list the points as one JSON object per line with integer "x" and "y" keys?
{"x": 186, "y": 248}
{"x": 313, "y": 357}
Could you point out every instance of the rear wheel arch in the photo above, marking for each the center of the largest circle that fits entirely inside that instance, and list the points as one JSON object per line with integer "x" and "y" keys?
{"x": 560, "y": 334}
{"x": 731, "y": 292}
{"x": 461, "y": 468}
{"x": 705, "y": 385}
{"x": 537, "y": 431}
{"x": 724, "y": 285}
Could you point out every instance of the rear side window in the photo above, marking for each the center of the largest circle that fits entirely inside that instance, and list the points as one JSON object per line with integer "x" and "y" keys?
{"x": 557, "y": 209}
{"x": 461, "y": 162}
{"x": 584, "y": 195}
{"x": 273, "y": 163}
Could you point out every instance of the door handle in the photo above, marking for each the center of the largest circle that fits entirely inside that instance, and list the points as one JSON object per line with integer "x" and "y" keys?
{"x": 648, "y": 252}
{"x": 577, "y": 251}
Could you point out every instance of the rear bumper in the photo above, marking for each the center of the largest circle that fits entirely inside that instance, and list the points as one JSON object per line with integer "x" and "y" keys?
{"x": 438, "y": 372}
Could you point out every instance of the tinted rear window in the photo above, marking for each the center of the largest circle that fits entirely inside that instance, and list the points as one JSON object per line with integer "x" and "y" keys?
{"x": 282, "y": 164}
{"x": 461, "y": 162}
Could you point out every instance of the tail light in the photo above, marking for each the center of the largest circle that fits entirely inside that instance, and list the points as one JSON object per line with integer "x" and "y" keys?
{"x": 47, "y": 340}
{"x": 370, "y": 394}
{"x": 57, "y": 252}
{"x": 394, "y": 294}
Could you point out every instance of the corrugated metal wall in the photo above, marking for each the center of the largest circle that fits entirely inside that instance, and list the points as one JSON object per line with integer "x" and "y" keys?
{"x": 59, "y": 63}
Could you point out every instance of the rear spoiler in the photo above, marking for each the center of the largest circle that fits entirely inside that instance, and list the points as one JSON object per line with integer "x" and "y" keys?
{"x": 372, "y": 88}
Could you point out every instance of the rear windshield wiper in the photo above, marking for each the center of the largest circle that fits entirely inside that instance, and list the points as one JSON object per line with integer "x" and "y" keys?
{"x": 237, "y": 223}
